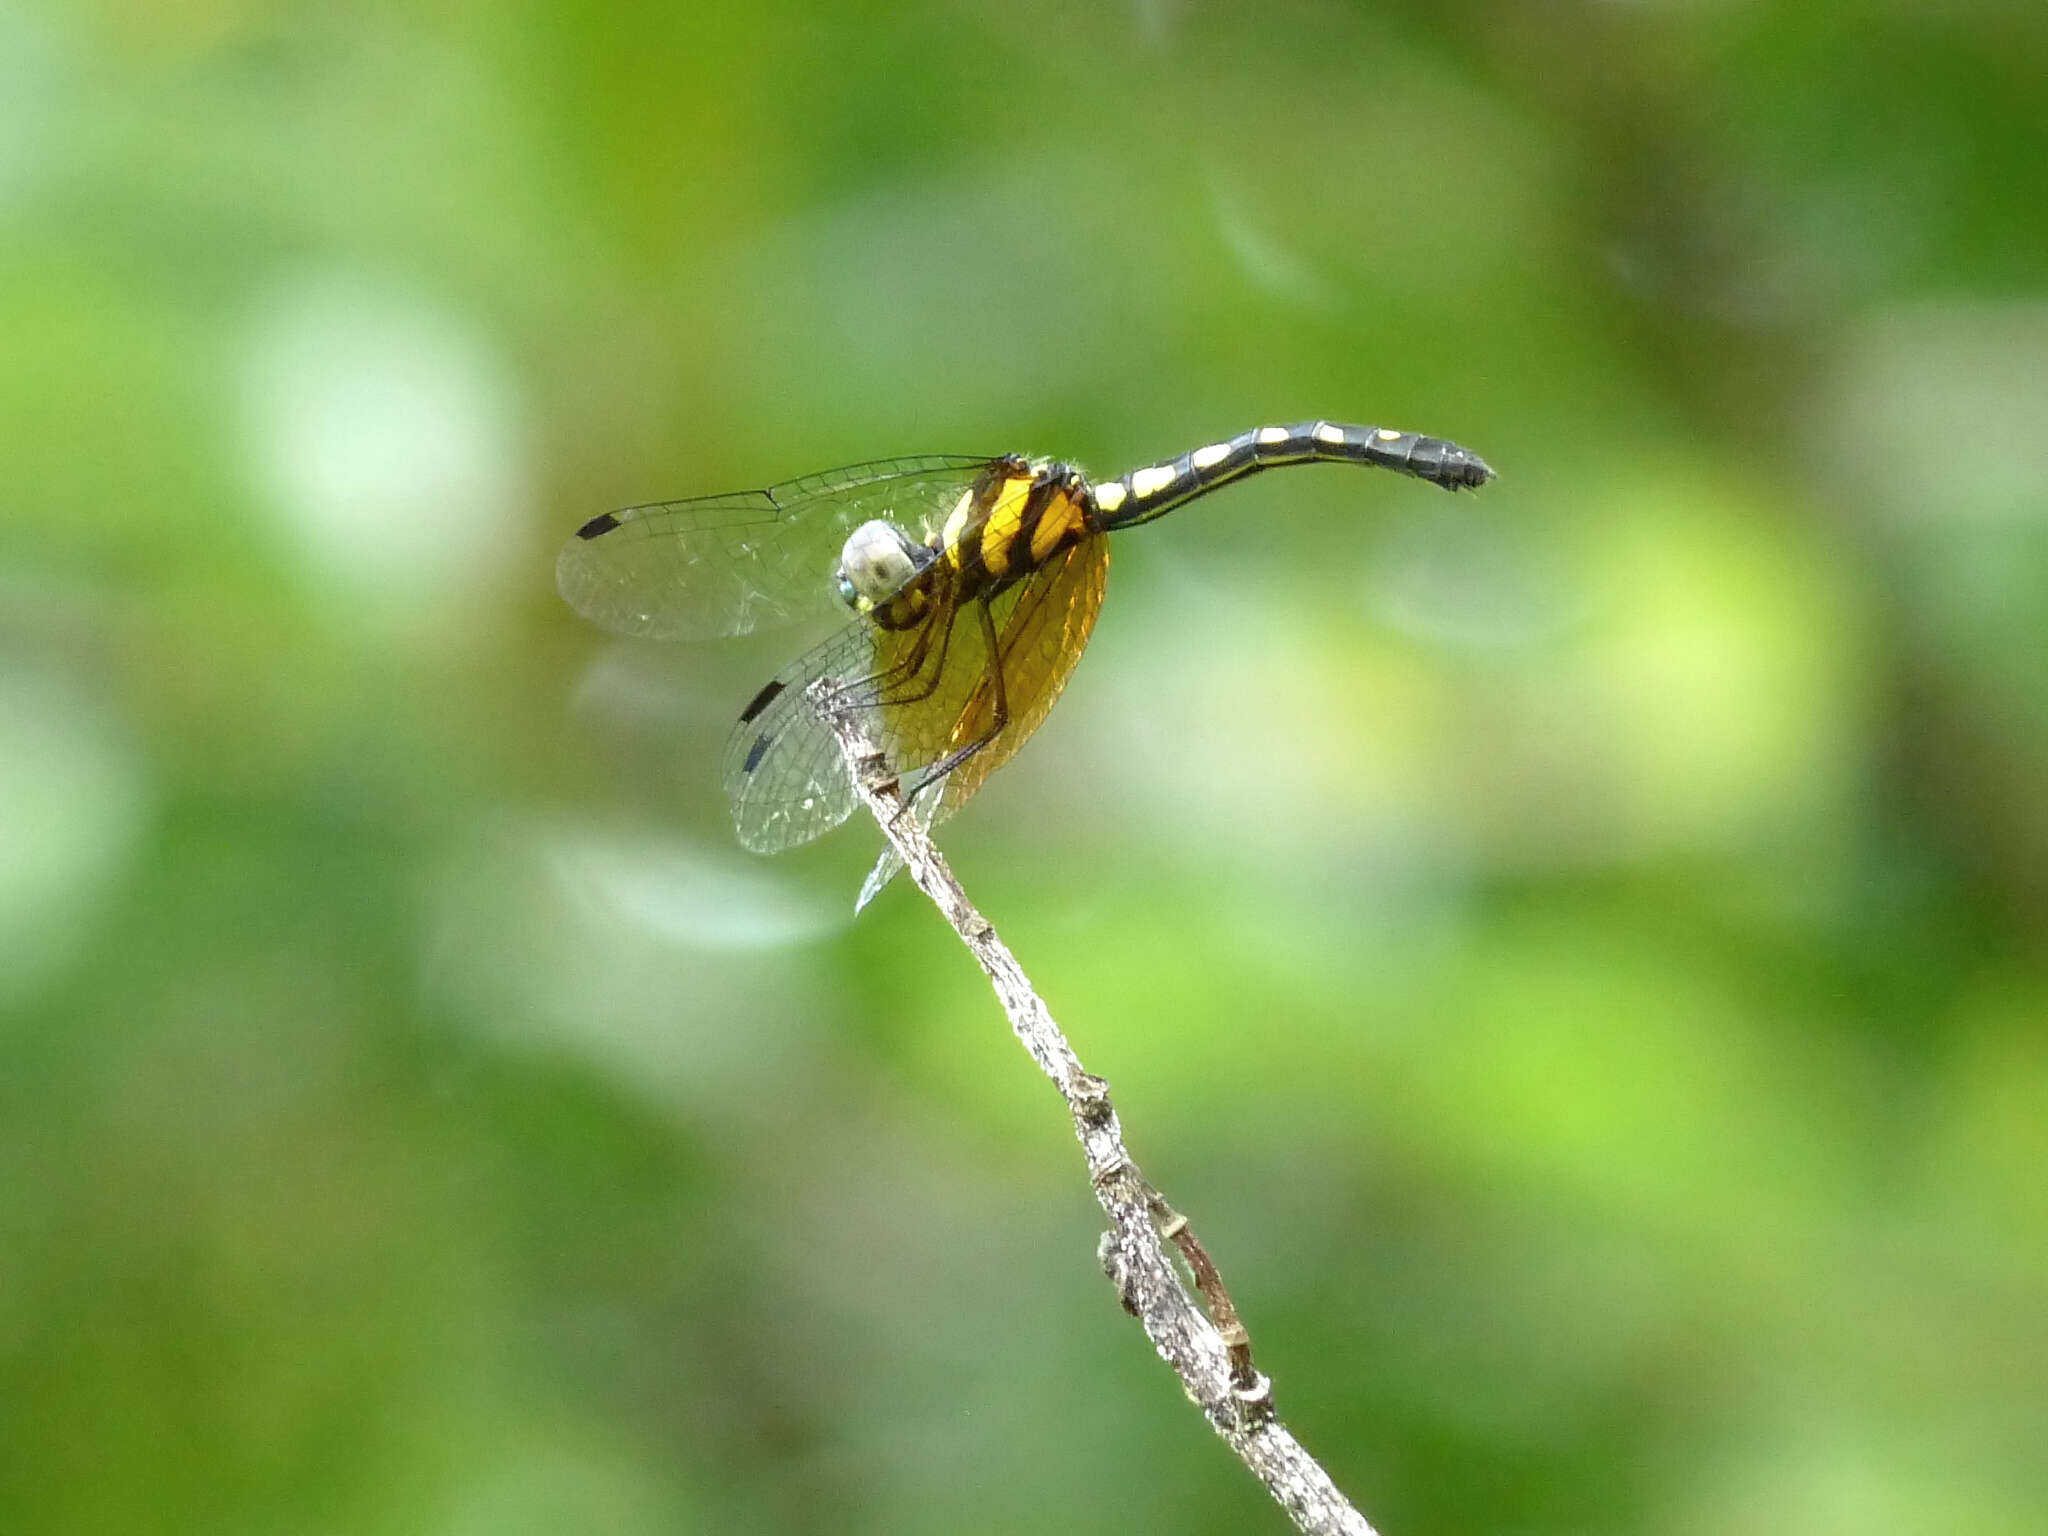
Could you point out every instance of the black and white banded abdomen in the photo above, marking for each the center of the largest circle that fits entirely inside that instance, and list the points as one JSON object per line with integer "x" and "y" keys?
{"x": 1144, "y": 494}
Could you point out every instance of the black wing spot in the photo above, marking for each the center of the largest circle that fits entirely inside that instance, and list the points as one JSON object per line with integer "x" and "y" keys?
{"x": 604, "y": 522}
{"x": 761, "y": 701}
{"x": 756, "y": 752}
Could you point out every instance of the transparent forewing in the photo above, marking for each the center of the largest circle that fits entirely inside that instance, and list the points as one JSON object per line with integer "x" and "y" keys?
{"x": 727, "y": 565}
{"x": 783, "y": 771}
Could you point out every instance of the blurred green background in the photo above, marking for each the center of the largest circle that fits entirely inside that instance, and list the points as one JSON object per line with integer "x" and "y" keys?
{"x": 1577, "y": 952}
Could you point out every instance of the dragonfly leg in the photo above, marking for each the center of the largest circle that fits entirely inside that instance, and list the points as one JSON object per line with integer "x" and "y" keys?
{"x": 999, "y": 716}
{"x": 938, "y": 668}
{"x": 871, "y": 691}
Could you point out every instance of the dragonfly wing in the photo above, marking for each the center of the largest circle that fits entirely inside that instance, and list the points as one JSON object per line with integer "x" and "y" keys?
{"x": 784, "y": 772}
{"x": 924, "y": 693}
{"x": 728, "y": 565}
{"x": 889, "y": 863}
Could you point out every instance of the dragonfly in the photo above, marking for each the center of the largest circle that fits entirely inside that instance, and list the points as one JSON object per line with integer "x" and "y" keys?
{"x": 970, "y": 585}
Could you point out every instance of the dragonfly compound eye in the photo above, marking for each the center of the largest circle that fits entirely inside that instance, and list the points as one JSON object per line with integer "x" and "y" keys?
{"x": 876, "y": 564}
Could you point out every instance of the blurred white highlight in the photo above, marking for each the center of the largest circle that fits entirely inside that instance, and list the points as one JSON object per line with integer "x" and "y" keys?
{"x": 1270, "y": 266}
{"x": 384, "y": 437}
{"x": 638, "y": 953}
{"x": 1941, "y": 408}
{"x": 665, "y": 888}
{"x": 38, "y": 77}
{"x": 74, "y": 803}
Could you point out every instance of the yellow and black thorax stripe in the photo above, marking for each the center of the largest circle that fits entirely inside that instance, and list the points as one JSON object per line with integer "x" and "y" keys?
{"x": 1014, "y": 519}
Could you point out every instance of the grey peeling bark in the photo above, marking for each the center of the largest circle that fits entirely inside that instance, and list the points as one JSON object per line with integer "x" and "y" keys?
{"x": 1196, "y": 1331}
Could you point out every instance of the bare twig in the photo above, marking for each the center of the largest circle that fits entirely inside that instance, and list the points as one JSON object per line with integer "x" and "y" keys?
{"x": 1208, "y": 1350}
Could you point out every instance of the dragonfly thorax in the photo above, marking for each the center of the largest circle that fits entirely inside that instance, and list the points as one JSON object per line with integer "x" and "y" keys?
{"x": 878, "y": 561}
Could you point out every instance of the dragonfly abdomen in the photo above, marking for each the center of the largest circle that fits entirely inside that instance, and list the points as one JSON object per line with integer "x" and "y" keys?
{"x": 1144, "y": 494}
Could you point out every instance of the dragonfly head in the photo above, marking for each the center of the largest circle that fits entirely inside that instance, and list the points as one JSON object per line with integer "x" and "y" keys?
{"x": 878, "y": 561}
